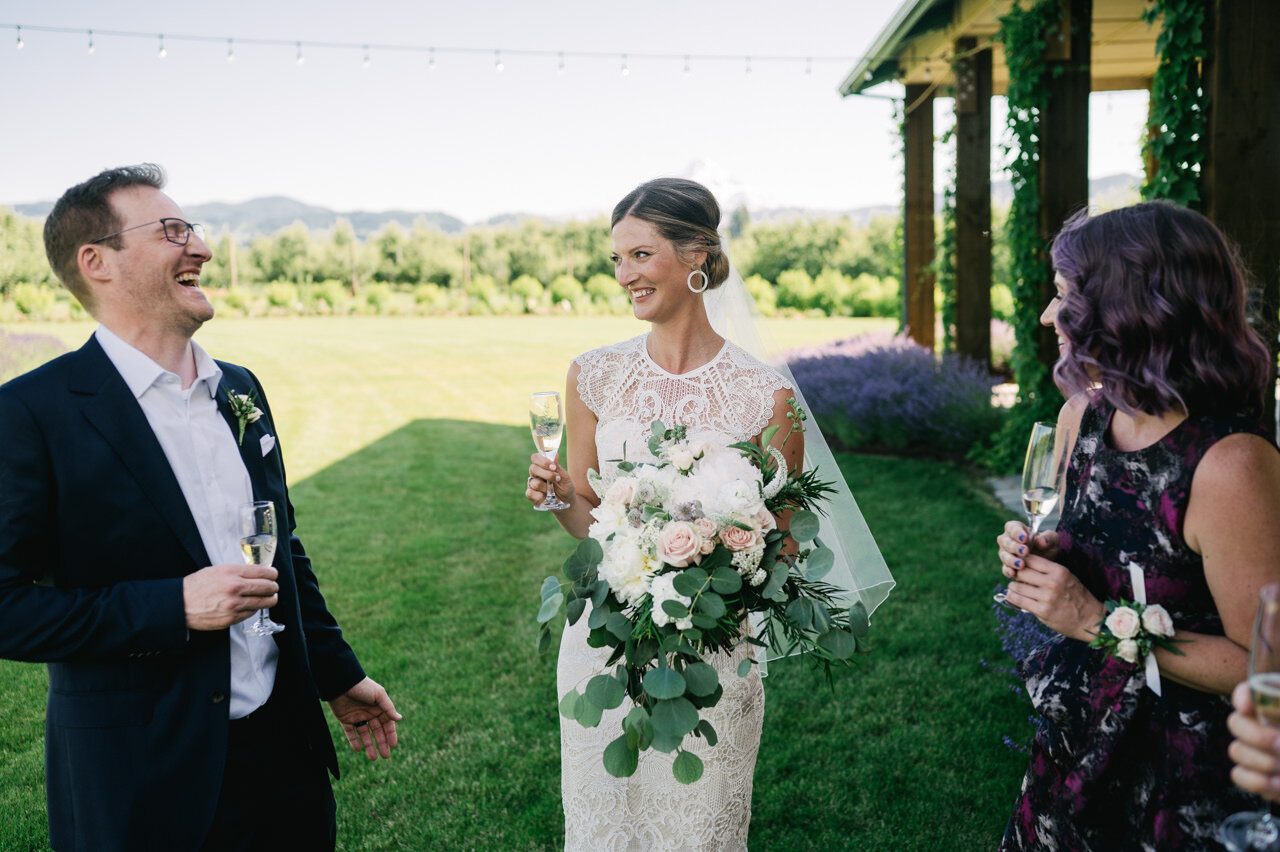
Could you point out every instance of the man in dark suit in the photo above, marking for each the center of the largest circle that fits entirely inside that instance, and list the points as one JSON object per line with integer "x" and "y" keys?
{"x": 122, "y": 471}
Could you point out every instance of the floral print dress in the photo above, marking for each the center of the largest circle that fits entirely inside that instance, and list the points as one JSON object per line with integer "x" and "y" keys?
{"x": 1114, "y": 766}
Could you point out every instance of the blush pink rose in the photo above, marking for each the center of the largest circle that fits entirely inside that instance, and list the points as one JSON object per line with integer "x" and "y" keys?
{"x": 621, "y": 491}
{"x": 679, "y": 544}
{"x": 705, "y": 527}
{"x": 1156, "y": 620}
{"x": 736, "y": 538}
{"x": 765, "y": 520}
{"x": 1127, "y": 650}
{"x": 1123, "y": 623}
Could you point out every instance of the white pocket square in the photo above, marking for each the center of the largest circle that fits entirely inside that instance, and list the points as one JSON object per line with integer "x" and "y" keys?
{"x": 267, "y": 442}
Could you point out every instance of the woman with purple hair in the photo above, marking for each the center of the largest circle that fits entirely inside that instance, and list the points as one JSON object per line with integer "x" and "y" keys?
{"x": 1172, "y": 499}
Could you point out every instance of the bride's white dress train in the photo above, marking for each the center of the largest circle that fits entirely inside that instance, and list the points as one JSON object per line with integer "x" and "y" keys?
{"x": 727, "y": 400}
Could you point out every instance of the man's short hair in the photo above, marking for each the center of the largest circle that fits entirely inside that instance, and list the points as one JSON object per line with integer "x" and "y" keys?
{"x": 83, "y": 214}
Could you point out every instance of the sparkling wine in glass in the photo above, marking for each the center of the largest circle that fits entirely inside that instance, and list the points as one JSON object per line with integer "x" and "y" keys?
{"x": 1259, "y": 830}
{"x": 546, "y": 419}
{"x": 1044, "y": 475}
{"x": 258, "y": 546}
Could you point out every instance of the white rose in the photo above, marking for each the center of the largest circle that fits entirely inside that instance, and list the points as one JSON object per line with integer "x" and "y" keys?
{"x": 621, "y": 491}
{"x": 1157, "y": 621}
{"x": 1127, "y": 650}
{"x": 663, "y": 589}
{"x": 681, "y": 458}
{"x": 1123, "y": 623}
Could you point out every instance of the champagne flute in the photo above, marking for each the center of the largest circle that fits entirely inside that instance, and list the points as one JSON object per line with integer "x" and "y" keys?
{"x": 547, "y": 421}
{"x": 258, "y": 545}
{"x": 1044, "y": 474}
{"x": 1259, "y": 830}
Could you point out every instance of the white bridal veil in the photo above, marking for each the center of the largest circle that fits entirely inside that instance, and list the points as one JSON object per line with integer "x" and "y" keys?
{"x": 860, "y": 571}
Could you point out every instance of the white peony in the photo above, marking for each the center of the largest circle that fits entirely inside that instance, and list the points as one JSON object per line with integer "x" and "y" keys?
{"x": 1157, "y": 621}
{"x": 725, "y": 482}
{"x": 681, "y": 458}
{"x": 662, "y": 587}
{"x": 628, "y": 566}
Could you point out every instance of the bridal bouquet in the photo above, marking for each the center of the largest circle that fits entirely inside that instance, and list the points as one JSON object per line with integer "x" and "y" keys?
{"x": 681, "y": 552}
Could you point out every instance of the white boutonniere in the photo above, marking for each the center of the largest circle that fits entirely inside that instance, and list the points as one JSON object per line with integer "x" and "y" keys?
{"x": 244, "y": 407}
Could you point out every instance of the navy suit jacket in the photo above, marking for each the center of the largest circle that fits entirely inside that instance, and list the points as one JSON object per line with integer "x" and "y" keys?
{"x": 95, "y": 538}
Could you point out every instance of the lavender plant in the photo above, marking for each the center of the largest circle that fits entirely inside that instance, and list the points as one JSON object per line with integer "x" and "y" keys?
{"x": 888, "y": 393}
{"x": 22, "y": 352}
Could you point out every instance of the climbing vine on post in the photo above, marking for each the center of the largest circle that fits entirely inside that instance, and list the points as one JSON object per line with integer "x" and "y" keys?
{"x": 944, "y": 258}
{"x": 1175, "y": 137}
{"x": 1024, "y": 33}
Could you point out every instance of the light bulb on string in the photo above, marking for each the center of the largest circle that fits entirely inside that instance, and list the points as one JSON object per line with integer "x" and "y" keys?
{"x": 624, "y": 71}
{"x": 231, "y": 51}
{"x": 91, "y": 42}
{"x": 21, "y": 43}
{"x": 497, "y": 62}
{"x": 162, "y": 53}
{"x": 367, "y": 60}
{"x": 300, "y": 58}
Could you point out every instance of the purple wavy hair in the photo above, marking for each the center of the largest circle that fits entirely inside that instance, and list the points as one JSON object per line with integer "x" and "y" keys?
{"x": 1154, "y": 312}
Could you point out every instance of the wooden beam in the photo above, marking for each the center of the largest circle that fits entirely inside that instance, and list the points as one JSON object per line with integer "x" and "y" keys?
{"x": 973, "y": 201}
{"x": 1240, "y": 177}
{"x": 1064, "y": 144}
{"x": 918, "y": 238}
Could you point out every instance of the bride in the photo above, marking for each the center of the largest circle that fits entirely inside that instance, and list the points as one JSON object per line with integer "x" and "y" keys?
{"x": 666, "y": 253}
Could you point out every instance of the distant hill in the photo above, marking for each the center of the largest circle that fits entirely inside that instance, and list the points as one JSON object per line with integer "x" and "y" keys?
{"x": 264, "y": 216}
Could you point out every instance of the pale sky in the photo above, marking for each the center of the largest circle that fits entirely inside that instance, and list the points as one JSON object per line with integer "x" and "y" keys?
{"x": 461, "y": 138}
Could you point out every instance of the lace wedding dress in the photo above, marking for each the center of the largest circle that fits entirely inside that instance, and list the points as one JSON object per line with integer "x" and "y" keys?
{"x": 727, "y": 400}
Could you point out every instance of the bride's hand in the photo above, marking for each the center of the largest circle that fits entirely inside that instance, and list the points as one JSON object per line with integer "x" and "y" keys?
{"x": 542, "y": 474}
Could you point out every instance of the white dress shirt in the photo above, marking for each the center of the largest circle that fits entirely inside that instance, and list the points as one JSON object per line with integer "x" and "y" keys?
{"x": 205, "y": 459}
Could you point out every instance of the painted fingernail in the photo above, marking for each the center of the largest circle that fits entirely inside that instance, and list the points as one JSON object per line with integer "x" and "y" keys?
{"x": 1022, "y": 550}
{"x": 1017, "y": 563}
{"x": 1022, "y": 537}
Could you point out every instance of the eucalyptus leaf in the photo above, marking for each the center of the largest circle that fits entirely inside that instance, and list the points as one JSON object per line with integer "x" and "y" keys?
{"x": 599, "y": 589}
{"x": 575, "y": 608}
{"x": 711, "y": 604}
{"x": 804, "y": 525}
{"x": 701, "y": 678}
{"x": 570, "y": 705}
{"x": 621, "y": 758}
{"x": 726, "y": 581}
{"x": 606, "y": 691}
{"x": 599, "y": 615}
{"x": 704, "y": 701}
{"x": 766, "y": 437}
{"x": 657, "y": 429}
{"x": 550, "y": 586}
{"x": 675, "y": 609}
{"x": 665, "y": 743}
{"x": 544, "y": 639}
{"x": 619, "y": 625}
{"x": 674, "y": 717}
{"x": 707, "y": 732}
{"x": 819, "y": 564}
{"x": 744, "y": 668}
{"x": 838, "y": 643}
{"x": 800, "y": 611}
{"x": 589, "y": 713}
{"x": 550, "y": 607}
{"x": 859, "y": 625}
{"x": 687, "y": 767}
{"x": 690, "y": 581}
{"x": 705, "y": 622}
{"x": 777, "y": 578}
{"x": 664, "y": 682}
{"x": 821, "y": 617}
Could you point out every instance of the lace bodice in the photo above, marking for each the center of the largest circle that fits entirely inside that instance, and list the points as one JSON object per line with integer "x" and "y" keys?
{"x": 728, "y": 399}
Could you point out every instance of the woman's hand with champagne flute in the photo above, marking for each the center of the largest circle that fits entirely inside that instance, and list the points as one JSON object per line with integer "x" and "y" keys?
{"x": 546, "y": 475}
{"x": 1255, "y": 748}
{"x": 1044, "y": 588}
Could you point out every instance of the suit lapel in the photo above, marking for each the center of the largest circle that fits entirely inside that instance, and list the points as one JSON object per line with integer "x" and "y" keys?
{"x": 112, "y": 410}
{"x": 250, "y": 447}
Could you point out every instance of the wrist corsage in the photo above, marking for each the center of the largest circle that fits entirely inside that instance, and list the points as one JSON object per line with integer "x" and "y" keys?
{"x": 1130, "y": 630}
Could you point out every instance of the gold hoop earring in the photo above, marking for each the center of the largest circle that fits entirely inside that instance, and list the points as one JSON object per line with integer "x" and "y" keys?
{"x": 689, "y": 281}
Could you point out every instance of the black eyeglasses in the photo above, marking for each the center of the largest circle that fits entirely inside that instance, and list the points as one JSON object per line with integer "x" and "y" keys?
{"x": 176, "y": 231}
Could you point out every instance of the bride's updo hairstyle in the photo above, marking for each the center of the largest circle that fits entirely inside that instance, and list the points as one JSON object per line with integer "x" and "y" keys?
{"x": 685, "y": 213}
{"x": 1154, "y": 312}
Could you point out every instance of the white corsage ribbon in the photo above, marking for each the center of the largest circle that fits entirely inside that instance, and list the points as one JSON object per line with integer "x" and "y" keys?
{"x": 1137, "y": 578}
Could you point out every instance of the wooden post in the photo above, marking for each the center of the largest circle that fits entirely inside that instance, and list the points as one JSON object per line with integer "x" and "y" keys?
{"x": 1064, "y": 140}
{"x": 918, "y": 239}
{"x": 1240, "y": 175}
{"x": 973, "y": 201}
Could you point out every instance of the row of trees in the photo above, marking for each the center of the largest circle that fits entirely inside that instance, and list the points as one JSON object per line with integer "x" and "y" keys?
{"x": 827, "y": 265}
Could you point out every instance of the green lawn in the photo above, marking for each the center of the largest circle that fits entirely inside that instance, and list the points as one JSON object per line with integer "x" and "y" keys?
{"x": 407, "y": 442}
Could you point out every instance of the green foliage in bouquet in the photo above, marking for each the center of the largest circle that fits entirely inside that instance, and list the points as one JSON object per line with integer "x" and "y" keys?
{"x": 659, "y": 657}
